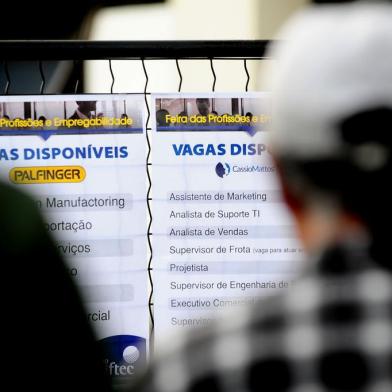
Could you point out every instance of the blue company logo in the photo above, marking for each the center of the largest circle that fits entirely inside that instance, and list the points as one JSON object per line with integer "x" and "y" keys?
{"x": 124, "y": 355}
{"x": 222, "y": 169}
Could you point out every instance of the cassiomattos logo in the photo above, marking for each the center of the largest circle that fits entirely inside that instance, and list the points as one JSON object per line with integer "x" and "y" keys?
{"x": 222, "y": 169}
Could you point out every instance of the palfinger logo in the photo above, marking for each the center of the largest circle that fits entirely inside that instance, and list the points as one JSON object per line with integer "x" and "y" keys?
{"x": 47, "y": 174}
{"x": 222, "y": 169}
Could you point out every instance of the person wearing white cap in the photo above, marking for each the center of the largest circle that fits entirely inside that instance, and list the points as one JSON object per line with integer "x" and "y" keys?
{"x": 332, "y": 139}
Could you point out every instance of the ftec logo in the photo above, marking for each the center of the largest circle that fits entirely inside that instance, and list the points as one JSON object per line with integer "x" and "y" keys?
{"x": 125, "y": 355}
{"x": 222, "y": 169}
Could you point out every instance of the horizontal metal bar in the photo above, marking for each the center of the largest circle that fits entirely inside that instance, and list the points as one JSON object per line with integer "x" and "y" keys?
{"x": 104, "y": 50}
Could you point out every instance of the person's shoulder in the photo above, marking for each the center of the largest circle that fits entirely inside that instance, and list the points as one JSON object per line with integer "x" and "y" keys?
{"x": 13, "y": 200}
{"x": 206, "y": 357}
{"x": 21, "y": 222}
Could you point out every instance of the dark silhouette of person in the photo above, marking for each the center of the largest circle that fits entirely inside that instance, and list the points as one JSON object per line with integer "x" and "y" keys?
{"x": 47, "y": 343}
{"x": 332, "y": 143}
{"x": 161, "y": 118}
{"x": 43, "y": 119}
{"x": 5, "y": 117}
{"x": 125, "y": 117}
{"x": 84, "y": 109}
{"x": 203, "y": 106}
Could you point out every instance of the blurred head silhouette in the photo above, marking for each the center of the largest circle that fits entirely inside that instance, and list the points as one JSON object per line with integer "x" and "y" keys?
{"x": 203, "y": 106}
{"x": 331, "y": 136}
{"x": 161, "y": 117}
{"x": 86, "y": 107}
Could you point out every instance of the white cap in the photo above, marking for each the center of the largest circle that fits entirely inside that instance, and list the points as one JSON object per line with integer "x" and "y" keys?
{"x": 336, "y": 62}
